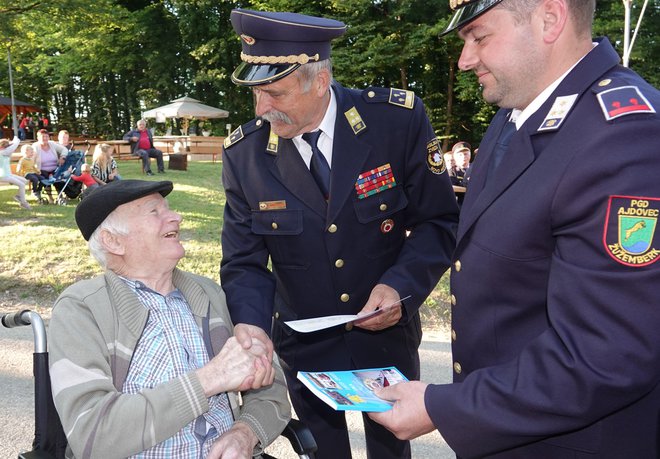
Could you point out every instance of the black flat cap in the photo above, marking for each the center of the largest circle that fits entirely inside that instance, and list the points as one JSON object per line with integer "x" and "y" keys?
{"x": 466, "y": 11}
{"x": 275, "y": 44}
{"x": 100, "y": 202}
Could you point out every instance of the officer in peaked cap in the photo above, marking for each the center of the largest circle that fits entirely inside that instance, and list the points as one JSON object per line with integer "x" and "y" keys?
{"x": 467, "y": 10}
{"x": 276, "y": 44}
{"x": 325, "y": 183}
{"x": 554, "y": 291}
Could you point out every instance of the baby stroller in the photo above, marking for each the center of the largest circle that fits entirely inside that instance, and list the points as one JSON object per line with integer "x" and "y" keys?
{"x": 49, "y": 439}
{"x": 66, "y": 187}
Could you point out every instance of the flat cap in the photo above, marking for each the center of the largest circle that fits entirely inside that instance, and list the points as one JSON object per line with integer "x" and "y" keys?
{"x": 275, "y": 44}
{"x": 466, "y": 11}
{"x": 100, "y": 202}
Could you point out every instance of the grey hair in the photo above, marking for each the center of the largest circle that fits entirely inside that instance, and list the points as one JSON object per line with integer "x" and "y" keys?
{"x": 112, "y": 224}
{"x": 307, "y": 72}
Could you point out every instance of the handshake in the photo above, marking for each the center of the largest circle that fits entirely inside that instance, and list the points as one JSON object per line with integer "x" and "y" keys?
{"x": 245, "y": 362}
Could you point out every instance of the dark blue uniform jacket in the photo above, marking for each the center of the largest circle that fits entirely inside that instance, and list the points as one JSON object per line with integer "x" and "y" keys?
{"x": 556, "y": 282}
{"x": 327, "y": 257}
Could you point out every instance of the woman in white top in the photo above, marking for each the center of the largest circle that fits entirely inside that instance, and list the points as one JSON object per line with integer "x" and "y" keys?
{"x": 48, "y": 155}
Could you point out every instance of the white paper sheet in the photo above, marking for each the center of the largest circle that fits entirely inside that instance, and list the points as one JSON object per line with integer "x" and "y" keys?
{"x": 321, "y": 323}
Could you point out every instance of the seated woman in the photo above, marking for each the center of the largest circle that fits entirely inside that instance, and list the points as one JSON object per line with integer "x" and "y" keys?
{"x": 49, "y": 155}
{"x": 155, "y": 365}
{"x": 104, "y": 166}
{"x": 6, "y": 149}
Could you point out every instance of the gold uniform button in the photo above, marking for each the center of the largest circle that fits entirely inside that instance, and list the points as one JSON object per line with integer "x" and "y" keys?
{"x": 457, "y": 266}
{"x": 344, "y": 297}
{"x": 457, "y": 368}
{"x": 274, "y": 225}
{"x": 371, "y": 94}
{"x": 383, "y": 207}
{"x": 277, "y": 315}
{"x": 604, "y": 82}
{"x": 339, "y": 263}
{"x": 332, "y": 228}
{"x": 453, "y": 300}
{"x": 453, "y": 335}
{"x": 349, "y": 326}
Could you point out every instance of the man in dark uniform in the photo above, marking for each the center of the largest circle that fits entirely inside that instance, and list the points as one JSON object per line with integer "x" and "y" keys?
{"x": 462, "y": 153}
{"x": 352, "y": 220}
{"x": 556, "y": 317}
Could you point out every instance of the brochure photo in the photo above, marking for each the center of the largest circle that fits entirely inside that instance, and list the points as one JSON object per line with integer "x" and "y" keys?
{"x": 352, "y": 390}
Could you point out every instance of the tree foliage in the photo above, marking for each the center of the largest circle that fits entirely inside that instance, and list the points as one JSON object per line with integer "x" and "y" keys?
{"x": 95, "y": 66}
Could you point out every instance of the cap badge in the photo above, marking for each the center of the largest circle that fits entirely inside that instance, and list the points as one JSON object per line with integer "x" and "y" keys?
{"x": 630, "y": 230}
{"x": 248, "y": 39}
{"x": 558, "y": 112}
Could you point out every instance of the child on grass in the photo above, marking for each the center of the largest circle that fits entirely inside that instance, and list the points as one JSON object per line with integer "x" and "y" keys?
{"x": 6, "y": 149}
{"x": 28, "y": 169}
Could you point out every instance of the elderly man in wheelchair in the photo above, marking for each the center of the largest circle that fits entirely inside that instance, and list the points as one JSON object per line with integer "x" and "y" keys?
{"x": 144, "y": 359}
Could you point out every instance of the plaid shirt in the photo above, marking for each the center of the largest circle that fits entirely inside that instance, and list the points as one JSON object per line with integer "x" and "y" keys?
{"x": 172, "y": 345}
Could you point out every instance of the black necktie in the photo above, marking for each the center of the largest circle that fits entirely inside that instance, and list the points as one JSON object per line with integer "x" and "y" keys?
{"x": 500, "y": 147}
{"x": 318, "y": 165}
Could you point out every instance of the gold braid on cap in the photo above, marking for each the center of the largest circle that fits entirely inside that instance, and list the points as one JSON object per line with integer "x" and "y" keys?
{"x": 453, "y": 4}
{"x": 293, "y": 59}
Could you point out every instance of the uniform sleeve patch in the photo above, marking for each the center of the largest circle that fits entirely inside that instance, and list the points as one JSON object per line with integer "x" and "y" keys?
{"x": 630, "y": 235}
{"x": 434, "y": 159}
{"x": 624, "y": 100}
{"x": 402, "y": 98}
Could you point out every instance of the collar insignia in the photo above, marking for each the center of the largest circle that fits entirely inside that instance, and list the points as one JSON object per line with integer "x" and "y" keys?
{"x": 558, "y": 112}
{"x": 355, "y": 120}
{"x": 273, "y": 142}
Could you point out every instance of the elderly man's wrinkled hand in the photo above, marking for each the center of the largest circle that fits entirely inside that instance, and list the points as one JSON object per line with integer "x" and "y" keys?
{"x": 246, "y": 333}
{"x": 237, "y": 443}
{"x": 236, "y": 368}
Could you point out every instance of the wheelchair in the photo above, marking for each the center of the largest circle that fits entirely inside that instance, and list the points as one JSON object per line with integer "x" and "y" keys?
{"x": 49, "y": 439}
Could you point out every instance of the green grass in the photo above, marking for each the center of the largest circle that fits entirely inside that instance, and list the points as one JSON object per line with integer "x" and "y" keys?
{"x": 42, "y": 251}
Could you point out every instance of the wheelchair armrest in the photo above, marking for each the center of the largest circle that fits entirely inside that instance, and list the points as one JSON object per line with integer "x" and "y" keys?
{"x": 300, "y": 436}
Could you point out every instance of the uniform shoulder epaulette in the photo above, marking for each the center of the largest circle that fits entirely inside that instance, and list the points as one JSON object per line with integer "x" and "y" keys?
{"x": 243, "y": 131}
{"x": 394, "y": 96}
{"x": 620, "y": 98}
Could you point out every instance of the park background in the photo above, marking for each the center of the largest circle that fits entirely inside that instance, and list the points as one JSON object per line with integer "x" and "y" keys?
{"x": 96, "y": 66}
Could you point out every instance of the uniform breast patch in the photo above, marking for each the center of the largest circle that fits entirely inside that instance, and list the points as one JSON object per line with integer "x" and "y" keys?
{"x": 624, "y": 100}
{"x": 630, "y": 230}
